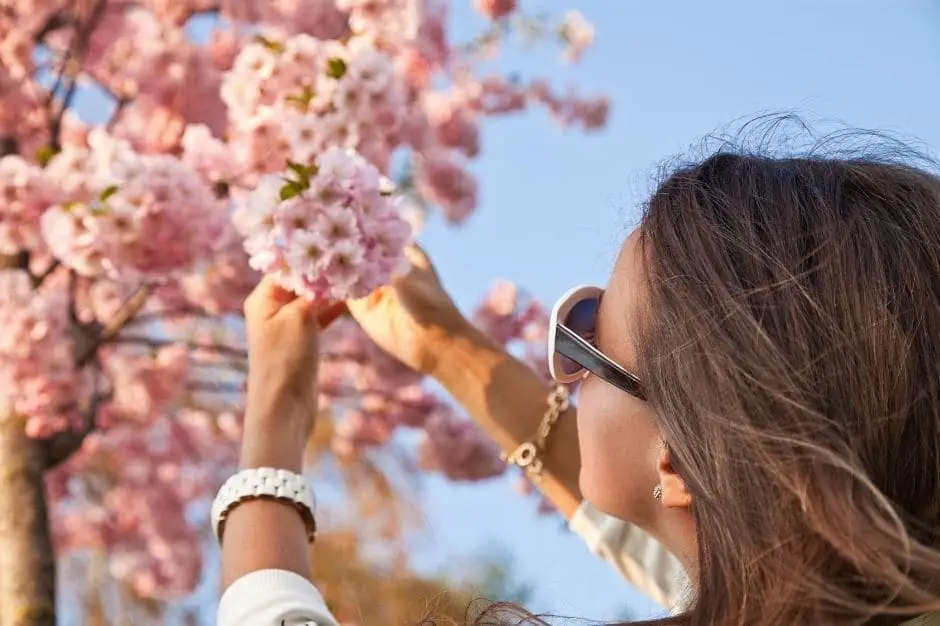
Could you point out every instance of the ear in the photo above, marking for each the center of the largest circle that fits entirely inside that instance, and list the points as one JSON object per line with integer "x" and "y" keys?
{"x": 675, "y": 493}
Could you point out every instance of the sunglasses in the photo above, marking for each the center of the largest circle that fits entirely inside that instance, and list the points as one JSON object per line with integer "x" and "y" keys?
{"x": 572, "y": 333}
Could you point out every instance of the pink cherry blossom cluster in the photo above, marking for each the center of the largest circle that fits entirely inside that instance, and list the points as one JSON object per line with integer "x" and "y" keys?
{"x": 332, "y": 232}
{"x": 457, "y": 447}
{"x": 295, "y": 98}
{"x": 38, "y": 377}
{"x": 577, "y": 34}
{"x": 128, "y": 214}
{"x": 370, "y": 392}
{"x": 23, "y": 118}
{"x": 146, "y": 386}
{"x": 129, "y": 491}
{"x": 495, "y": 9}
{"x": 217, "y": 287}
{"x": 517, "y": 321}
{"x": 25, "y": 194}
{"x": 126, "y": 271}
{"x": 372, "y": 395}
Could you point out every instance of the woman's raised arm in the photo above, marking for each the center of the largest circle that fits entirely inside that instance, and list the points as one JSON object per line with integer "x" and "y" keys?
{"x": 415, "y": 321}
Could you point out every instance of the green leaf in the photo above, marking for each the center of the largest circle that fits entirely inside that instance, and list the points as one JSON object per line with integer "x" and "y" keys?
{"x": 272, "y": 45}
{"x": 304, "y": 172}
{"x": 298, "y": 101}
{"x": 45, "y": 154}
{"x": 291, "y": 190}
{"x": 108, "y": 192}
{"x": 336, "y": 68}
{"x": 297, "y": 168}
{"x": 304, "y": 99}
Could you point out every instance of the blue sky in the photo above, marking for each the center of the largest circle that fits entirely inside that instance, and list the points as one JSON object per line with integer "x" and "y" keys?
{"x": 555, "y": 205}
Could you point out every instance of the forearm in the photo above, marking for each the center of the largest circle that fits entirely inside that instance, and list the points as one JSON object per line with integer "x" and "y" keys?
{"x": 266, "y": 534}
{"x": 508, "y": 399}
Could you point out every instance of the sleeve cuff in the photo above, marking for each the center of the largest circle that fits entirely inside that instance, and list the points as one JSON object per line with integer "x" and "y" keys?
{"x": 273, "y": 598}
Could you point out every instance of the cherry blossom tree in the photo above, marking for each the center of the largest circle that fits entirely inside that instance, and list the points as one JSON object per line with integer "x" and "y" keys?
{"x": 130, "y": 237}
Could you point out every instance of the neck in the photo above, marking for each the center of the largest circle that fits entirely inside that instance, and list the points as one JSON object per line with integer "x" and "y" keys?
{"x": 675, "y": 529}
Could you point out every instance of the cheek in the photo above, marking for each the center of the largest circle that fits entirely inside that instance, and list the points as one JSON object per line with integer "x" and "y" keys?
{"x": 619, "y": 449}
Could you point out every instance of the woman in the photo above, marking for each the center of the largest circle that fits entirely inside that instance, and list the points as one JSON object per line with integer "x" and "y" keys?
{"x": 761, "y": 395}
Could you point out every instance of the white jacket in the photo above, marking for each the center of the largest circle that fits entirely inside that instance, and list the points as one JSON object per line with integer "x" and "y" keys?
{"x": 282, "y": 598}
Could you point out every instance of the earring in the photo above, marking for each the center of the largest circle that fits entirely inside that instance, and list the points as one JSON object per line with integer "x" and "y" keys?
{"x": 658, "y": 492}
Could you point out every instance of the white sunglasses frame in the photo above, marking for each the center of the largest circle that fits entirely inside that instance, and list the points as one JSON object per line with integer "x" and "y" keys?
{"x": 604, "y": 367}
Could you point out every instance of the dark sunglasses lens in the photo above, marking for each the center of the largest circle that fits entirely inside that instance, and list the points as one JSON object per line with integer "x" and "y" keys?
{"x": 581, "y": 320}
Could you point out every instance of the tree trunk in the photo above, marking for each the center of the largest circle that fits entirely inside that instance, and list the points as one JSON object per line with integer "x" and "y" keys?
{"x": 27, "y": 562}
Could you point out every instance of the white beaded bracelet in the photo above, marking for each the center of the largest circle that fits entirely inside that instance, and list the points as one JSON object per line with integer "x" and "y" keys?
{"x": 264, "y": 483}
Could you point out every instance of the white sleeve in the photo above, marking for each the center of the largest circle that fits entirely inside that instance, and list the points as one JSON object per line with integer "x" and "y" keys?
{"x": 273, "y": 597}
{"x": 638, "y": 557}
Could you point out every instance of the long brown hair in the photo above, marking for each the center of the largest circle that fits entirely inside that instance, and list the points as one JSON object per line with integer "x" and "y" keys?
{"x": 791, "y": 351}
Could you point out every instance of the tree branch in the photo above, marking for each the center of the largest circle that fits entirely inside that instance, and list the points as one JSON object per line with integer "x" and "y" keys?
{"x": 8, "y": 145}
{"x": 157, "y": 316}
{"x": 75, "y": 51}
{"x": 120, "y": 104}
{"x": 61, "y": 446}
{"x": 202, "y": 386}
{"x": 39, "y": 279}
{"x": 152, "y": 342}
{"x": 128, "y": 310}
{"x": 55, "y": 22}
{"x": 57, "y": 448}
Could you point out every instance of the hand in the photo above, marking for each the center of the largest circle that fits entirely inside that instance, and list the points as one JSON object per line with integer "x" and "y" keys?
{"x": 411, "y": 317}
{"x": 283, "y": 342}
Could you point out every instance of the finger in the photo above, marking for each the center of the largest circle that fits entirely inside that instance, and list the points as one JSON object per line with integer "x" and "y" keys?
{"x": 268, "y": 298}
{"x": 329, "y": 314}
{"x": 419, "y": 258}
{"x": 301, "y": 307}
{"x": 323, "y": 314}
{"x": 280, "y": 295}
{"x": 371, "y": 301}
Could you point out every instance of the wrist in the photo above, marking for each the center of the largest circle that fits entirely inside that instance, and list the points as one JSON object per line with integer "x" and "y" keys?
{"x": 275, "y": 436}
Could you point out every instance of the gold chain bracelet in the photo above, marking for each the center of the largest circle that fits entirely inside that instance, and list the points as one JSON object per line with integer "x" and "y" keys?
{"x": 527, "y": 455}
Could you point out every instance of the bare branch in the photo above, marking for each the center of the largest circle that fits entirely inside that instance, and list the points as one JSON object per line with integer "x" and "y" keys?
{"x": 220, "y": 367}
{"x": 8, "y": 145}
{"x": 75, "y": 52}
{"x": 119, "y": 107}
{"x": 57, "y": 448}
{"x": 128, "y": 310}
{"x": 38, "y": 280}
{"x": 153, "y": 342}
{"x": 55, "y": 22}
{"x": 73, "y": 302}
{"x": 203, "y": 386}
{"x": 157, "y": 316}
